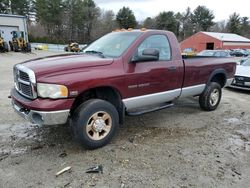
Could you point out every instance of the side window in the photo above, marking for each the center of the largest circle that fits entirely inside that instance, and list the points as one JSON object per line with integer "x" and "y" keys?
{"x": 159, "y": 42}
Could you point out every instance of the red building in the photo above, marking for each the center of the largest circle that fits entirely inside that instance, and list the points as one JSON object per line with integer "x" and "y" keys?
{"x": 212, "y": 41}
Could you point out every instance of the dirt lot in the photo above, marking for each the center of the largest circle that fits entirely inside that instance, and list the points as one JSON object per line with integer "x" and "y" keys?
{"x": 177, "y": 147}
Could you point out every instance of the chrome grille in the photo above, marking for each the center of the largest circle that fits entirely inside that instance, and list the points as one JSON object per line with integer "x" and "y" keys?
{"x": 24, "y": 76}
{"x": 25, "y": 89}
{"x": 24, "y": 81}
{"x": 242, "y": 78}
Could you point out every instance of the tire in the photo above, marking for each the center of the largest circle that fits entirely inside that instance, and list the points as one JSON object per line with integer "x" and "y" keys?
{"x": 86, "y": 119}
{"x": 66, "y": 49}
{"x": 28, "y": 47}
{"x": 15, "y": 47}
{"x": 6, "y": 47}
{"x": 210, "y": 98}
{"x": 11, "y": 46}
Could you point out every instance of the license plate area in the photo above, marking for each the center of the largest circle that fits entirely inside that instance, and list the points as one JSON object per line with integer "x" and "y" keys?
{"x": 240, "y": 83}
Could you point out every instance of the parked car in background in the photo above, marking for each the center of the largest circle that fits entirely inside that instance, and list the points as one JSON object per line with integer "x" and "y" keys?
{"x": 247, "y": 51}
{"x": 242, "y": 76}
{"x": 239, "y": 53}
{"x": 214, "y": 53}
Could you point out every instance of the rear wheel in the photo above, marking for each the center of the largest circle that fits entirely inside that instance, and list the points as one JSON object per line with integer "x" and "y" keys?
{"x": 28, "y": 47}
{"x": 11, "y": 46}
{"x": 15, "y": 47}
{"x": 210, "y": 98}
{"x": 95, "y": 123}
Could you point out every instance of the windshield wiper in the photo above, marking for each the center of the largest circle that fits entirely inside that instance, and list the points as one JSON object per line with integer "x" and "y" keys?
{"x": 95, "y": 52}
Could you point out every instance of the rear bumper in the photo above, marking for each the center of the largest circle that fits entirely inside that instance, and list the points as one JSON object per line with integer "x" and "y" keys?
{"x": 42, "y": 117}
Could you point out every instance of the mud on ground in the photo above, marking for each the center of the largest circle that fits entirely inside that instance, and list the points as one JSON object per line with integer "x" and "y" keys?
{"x": 176, "y": 147}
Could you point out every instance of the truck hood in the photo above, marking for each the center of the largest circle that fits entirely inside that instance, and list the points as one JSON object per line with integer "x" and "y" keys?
{"x": 65, "y": 62}
{"x": 243, "y": 71}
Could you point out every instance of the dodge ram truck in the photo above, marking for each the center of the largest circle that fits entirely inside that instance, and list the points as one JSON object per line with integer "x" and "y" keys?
{"x": 128, "y": 72}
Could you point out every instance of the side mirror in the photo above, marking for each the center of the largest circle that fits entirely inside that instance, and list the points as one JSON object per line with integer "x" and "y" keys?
{"x": 149, "y": 54}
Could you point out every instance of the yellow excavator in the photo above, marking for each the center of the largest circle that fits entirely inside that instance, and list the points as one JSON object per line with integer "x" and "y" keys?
{"x": 3, "y": 45}
{"x": 19, "y": 43}
{"x": 72, "y": 47}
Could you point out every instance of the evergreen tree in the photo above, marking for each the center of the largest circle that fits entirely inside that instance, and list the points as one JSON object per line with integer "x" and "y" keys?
{"x": 202, "y": 19}
{"x": 245, "y": 27}
{"x": 149, "y": 23}
{"x": 20, "y": 7}
{"x": 166, "y": 21}
{"x": 4, "y": 7}
{"x": 50, "y": 14}
{"x": 234, "y": 23}
{"x": 126, "y": 18}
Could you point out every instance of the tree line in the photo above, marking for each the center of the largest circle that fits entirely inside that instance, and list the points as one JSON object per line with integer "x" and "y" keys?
{"x": 61, "y": 21}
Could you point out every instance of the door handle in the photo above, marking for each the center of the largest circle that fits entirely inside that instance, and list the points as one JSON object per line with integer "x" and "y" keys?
{"x": 172, "y": 68}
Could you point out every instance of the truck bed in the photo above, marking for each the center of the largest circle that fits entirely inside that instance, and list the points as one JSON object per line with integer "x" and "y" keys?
{"x": 199, "y": 68}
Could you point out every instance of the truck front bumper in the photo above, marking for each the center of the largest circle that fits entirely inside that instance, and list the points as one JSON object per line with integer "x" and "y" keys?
{"x": 229, "y": 82}
{"x": 25, "y": 108}
{"x": 42, "y": 117}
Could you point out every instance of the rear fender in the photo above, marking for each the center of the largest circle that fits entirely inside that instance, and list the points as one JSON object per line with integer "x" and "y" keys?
{"x": 215, "y": 73}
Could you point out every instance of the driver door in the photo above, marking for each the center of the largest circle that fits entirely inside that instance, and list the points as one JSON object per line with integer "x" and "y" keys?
{"x": 152, "y": 82}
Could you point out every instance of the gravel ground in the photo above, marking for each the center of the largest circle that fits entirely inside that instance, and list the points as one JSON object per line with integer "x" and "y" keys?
{"x": 176, "y": 147}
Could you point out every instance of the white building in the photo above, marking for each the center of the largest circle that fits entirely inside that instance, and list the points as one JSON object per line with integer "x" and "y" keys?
{"x": 9, "y": 23}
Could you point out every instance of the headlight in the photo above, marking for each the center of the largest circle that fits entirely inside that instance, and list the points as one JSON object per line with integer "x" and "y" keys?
{"x": 52, "y": 91}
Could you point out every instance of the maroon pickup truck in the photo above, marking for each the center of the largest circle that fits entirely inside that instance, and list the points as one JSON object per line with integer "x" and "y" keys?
{"x": 122, "y": 73}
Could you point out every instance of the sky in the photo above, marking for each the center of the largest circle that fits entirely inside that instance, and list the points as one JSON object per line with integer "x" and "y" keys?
{"x": 150, "y": 8}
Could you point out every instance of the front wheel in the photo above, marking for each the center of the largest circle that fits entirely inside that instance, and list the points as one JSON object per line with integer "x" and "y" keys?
{"x": 95, "y": 123}
{"x": 15, "y": 47}
{"x": 11, "y": 46}
{"x": 210, "y": 98}
{"x": 28, "y": 47}
{"x": 6, "y": 47}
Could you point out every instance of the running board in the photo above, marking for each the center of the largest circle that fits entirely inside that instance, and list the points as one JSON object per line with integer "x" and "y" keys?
{"x": 145, "y": 110}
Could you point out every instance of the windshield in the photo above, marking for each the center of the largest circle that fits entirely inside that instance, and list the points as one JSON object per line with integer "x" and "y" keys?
{"x": 113, "y": 44}
{"x": 17, "y": 34}
{"x": 246, "y": 62}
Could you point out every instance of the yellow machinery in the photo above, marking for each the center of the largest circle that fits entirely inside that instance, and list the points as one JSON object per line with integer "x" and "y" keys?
{"x": 188, "y": 52}
{"x": 72, "y": 47}
{"x": 19, "y": 43}
{"x": 3, "y": 45}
